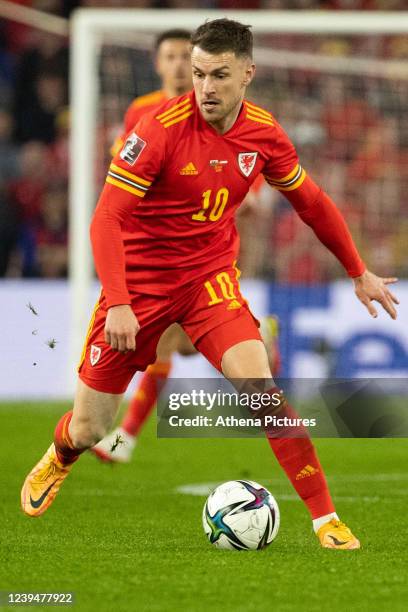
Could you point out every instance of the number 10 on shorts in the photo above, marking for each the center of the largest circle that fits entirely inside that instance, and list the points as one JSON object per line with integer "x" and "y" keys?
{"x": 225, "y": 287}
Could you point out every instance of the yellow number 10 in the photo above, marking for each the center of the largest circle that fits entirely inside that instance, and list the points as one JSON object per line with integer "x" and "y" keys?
{"x": 227, "y": 289}
{"x": 217, "y": 209}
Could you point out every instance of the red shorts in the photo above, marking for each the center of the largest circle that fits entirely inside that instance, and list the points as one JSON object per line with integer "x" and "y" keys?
{"x": 212, "y": 312}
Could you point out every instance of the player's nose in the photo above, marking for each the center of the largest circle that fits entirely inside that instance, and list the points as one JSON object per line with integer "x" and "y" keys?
{"x": 208, "y": 86}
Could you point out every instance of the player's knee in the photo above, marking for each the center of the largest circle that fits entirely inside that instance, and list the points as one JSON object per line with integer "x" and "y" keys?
{"x": 247, "y": 359}
{"x": 85, "y": 434}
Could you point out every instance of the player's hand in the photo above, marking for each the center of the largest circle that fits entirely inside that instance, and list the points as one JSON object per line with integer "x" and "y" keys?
{"x": 369, "y": 287}
{"x": 121, "y": 328}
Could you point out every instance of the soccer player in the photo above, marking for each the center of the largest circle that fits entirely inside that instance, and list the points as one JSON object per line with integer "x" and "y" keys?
{"x": 164, "y": 245}
{"x": 173, "y": 65}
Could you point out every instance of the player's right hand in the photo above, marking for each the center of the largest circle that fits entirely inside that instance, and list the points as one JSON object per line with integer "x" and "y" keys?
{"x": 121, "y": 328}
{"x": 369, "y": 287}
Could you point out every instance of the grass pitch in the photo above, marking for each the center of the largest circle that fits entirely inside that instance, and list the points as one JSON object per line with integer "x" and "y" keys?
{"x": 125, "y": 538}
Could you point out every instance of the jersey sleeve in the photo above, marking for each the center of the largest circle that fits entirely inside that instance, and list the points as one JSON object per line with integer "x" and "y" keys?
{"x": 139, "y": 161}
{"x": 283, "y": 170}
{"x": 131, "y": 174}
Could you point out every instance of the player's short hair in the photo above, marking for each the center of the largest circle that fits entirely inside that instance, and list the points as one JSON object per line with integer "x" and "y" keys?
{"x": 174, "y": 34}
{"x": 221, "y": 35}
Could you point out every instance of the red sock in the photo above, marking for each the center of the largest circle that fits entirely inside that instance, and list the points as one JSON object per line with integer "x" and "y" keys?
{"x": 298, "y": 458}
{"x": 145, "y": 398}
{"x": 66, "y": 452}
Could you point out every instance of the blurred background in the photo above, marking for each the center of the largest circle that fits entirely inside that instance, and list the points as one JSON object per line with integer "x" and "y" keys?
{"x": 341, "y": 98}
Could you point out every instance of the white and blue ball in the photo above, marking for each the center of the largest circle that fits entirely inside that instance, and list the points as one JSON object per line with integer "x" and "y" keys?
{"x": 241, "y": 515}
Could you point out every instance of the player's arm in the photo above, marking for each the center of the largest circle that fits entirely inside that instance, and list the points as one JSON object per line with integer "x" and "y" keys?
{"x": 129, "y": 178}
{"x": 121, "y": 324}
{"x": 318, "y": 211}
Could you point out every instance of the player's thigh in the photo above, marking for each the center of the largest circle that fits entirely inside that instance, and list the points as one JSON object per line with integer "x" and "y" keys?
{"x": 174, "y": 339}
{"x": 94, "y": 411}
{"x": 185, "y": 346}
{"x": 236, "y": 349}
{"x": 218, "y": 318}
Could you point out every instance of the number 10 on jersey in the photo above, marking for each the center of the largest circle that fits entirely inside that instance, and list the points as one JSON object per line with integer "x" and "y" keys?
{"x": 212, "y": 207}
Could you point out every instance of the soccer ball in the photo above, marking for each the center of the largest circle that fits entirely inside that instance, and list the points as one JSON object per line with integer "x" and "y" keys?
{"x": 241, "y": 515}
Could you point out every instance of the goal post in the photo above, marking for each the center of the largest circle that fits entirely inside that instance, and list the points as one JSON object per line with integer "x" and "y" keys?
{"x": 91, "y": 27}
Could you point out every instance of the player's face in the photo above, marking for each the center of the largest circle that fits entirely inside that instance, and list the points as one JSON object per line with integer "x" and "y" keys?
{"x": 173, "y": 65}
{"x": 219, "y": 82}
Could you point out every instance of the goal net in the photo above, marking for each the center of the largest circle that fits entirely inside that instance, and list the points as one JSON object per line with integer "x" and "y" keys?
{"x": 337, "y": 82}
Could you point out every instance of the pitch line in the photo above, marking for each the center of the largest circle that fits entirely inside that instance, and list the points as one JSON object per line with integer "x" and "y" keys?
{"x": 205, "y": 488}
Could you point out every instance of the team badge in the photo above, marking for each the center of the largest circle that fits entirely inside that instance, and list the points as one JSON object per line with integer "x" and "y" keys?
{"x": 95, "y": 354}
{"x": 246, "y": 162}
{"x": 133, "y": 147}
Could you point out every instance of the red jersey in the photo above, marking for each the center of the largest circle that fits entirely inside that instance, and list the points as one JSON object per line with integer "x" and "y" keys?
{"x": 172, "y": 192}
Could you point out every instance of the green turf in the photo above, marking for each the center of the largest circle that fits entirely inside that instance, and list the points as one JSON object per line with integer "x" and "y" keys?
{"x": 123, "y": 539}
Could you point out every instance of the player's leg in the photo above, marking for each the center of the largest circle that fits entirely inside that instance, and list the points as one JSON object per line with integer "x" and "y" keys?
{"x": 76, "y": 431}
{"x": 269, "y": 330}
{"x": 246, "y": 362}
{"x": 104, "y": 377}
{"x": 174, "y": 339}
{"x": 233, "y": 345}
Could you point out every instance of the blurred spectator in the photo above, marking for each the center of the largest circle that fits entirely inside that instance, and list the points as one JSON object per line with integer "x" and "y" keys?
{"x": 9, "y": 170}
{"x": 9, "y": 227}
{"x": 41, "y": 88}
{"x": 58, "y": 151}
{"x": 51, "y": 236}
{"x": 6, "y": 68}
{"x": 27, "y": 196}
{"x": 346, "y": 116}
{"x": 15, "y": 34}
{"x": 9, "y": 152}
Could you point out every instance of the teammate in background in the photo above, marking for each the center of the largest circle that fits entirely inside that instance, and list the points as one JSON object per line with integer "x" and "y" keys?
{"x": 173, "y": 65}
{"x": 165, "y": 245}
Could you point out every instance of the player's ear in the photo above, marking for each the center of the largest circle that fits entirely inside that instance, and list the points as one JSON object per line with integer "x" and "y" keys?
{"x": 249, "y": 75}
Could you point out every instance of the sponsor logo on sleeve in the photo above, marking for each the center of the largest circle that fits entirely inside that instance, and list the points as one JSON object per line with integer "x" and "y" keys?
{"x": 132, "y": 149}
{"x": 246, "y": 162}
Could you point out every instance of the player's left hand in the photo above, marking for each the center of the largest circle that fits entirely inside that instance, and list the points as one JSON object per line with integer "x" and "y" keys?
{"x": 370, "y": 287}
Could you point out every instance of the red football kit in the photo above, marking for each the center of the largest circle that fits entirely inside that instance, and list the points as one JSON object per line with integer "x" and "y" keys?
{"x": 164, "y": 238}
